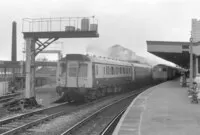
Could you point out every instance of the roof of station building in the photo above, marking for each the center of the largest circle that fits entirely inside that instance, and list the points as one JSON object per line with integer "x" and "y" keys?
{"x": 176, "y": 52}
{"x": 167, "y": 43}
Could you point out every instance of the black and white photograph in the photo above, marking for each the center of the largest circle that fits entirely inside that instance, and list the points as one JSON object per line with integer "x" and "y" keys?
{"x": 99, "y": 67}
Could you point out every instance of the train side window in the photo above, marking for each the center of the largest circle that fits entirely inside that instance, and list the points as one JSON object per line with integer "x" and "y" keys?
{"x": 104, "y": 70}
{"x": 83, "y": 70}
{"x": 96, "y": 69}
{"x": 123, "y": 70}
{"x": 72, "y": 71}
{"x": 116, "y": 70}
{"x": 63, "y": 67}
{"x": 107, "y": 70}
{"x": 120, "y": 70}
{"x": 112, "y": 70}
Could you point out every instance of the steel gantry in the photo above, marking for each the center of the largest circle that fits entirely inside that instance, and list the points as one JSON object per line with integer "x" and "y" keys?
{"x": 34, "y": 45}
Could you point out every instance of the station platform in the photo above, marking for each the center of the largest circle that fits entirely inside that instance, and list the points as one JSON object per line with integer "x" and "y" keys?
{"x": 164, "y": 109}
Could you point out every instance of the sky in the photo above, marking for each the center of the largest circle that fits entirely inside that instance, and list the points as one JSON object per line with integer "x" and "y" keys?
{"x": 129, "y": 23}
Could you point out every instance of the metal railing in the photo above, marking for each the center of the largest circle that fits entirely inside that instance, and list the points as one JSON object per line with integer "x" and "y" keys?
{"x": 55, "y": 24}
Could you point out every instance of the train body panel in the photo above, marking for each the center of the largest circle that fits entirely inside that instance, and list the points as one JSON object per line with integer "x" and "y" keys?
{"x": 142, "y": 71}
{"x": 109, "y": 75}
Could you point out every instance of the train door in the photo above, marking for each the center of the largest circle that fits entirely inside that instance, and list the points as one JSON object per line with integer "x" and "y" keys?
{"x": 133, "y": 73}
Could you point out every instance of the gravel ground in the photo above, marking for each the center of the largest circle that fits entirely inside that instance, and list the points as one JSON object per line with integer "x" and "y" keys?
{"x": 6, "y": 114}
{"x": 60, "y": 124}
{"x": 45, "y": 96}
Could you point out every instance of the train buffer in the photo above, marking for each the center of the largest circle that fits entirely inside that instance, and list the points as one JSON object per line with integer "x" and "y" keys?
{"x": 163, "y": 109}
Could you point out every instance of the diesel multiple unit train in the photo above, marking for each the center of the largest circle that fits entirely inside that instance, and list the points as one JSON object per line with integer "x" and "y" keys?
{"x": 84, "y": 77}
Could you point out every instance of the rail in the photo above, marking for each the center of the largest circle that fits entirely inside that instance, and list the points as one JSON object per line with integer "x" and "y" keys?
{"x": 78, "y": 125}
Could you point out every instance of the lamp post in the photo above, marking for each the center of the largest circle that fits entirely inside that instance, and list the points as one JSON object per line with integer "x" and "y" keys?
{"x": 191, "y": 63}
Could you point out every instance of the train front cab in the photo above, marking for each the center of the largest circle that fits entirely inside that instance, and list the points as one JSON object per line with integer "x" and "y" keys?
{"x": 75, "y": 77}
{"x": 159, "y": 73}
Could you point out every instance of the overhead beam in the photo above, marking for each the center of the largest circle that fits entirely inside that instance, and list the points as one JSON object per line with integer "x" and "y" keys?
{"x": 61, "y": 34}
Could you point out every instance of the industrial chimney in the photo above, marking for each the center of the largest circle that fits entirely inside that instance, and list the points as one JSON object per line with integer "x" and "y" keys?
{"x": 14, "y": 42}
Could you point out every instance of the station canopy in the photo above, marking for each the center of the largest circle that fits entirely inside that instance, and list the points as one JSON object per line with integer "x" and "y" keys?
{"x": 176, "y": 52}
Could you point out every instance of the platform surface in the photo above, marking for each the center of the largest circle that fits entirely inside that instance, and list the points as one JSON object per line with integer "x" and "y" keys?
{"x": 164, "y": 109}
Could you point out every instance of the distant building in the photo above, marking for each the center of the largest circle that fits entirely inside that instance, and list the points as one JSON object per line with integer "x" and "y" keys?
{"x": 195, "y": 30}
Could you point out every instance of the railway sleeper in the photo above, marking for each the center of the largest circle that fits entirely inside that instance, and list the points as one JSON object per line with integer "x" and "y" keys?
{"x": 26, "y": 121}
{"x": 11, "y": 125}
{"x": 4, "y": 128}
{"x": 21, "y": 104}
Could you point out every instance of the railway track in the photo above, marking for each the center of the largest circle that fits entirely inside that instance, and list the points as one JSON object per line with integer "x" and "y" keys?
{"x": 8, "y": 97}
{"x": 20, "y": 123}
{"x": 25, "y": 121}
{"x": 109, "y": 128}
{"x": 102, "y": 121}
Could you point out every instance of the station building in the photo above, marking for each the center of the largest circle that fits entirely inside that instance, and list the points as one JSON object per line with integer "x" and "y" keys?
{"x": 179, "y": 52}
